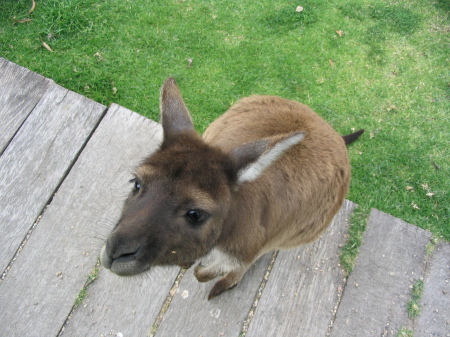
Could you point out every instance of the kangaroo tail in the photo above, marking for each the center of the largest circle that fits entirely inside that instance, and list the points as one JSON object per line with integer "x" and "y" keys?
{"x": 348, "y": 139}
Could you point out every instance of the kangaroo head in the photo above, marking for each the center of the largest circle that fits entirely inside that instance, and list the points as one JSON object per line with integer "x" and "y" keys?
{"x": 182, "y": 193}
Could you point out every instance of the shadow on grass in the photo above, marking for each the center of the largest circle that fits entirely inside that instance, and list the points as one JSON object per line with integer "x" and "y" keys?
{"x": 287, "y": 18}
{"x": 385, "y": 20}
{"x": 55, "y": 17}
{"x": 443, "y": 5}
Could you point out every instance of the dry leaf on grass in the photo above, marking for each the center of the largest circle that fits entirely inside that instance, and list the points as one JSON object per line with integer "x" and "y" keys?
{"x": 424, "y": 186}
{"x": 46, "y": 46}
{"x": 340, "y": 33}
{"x": 299, "y": 9}
{"x": 33, "y": 6}
{"x": 436, "y": 166}
{"x": 98, "y": 56}
{"x": 21, "y": 21}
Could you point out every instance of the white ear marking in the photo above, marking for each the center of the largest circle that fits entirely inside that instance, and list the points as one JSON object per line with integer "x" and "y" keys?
{"x": 255, "y": 169}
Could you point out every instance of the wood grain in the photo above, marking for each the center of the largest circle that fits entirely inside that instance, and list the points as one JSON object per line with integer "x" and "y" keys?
{"x": 389, "y": 262}
{"x": 122, "y": 304}
{"x": 20, "y": 91}
{"x": 304, "y": 286}
{"x": 191, "y": 314}
{"x": 42, "y": 285}
{"x": 115, "y": 304}
{"x": 434, "y": 319}
{"x": 37, "y": 160}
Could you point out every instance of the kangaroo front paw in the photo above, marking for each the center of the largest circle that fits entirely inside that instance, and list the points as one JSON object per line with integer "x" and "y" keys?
{"x": 204, "y": 274}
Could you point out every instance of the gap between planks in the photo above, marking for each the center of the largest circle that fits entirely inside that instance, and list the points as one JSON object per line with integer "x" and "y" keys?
{"x": 166, "y": 303}
{"x": 86, "y": 287}
{"x": 55, "y": 192}
{"x": 245, "y": 323}
{"x": 15, "y": 132}
{"x": 340, "y": 294}
{"x": 22, "y": 244}
{"x": 262, "y": 286}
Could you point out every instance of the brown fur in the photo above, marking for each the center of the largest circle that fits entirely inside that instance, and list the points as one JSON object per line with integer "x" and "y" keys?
{"x": 301, "y": 193}
{"x": 290, "y": 203}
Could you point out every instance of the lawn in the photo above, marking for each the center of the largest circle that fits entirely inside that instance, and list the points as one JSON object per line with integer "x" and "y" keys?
{"x": 379, "y": 65}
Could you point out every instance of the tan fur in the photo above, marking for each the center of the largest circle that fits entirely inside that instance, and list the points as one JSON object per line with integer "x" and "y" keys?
{"x": 268, "y": 174}
{"x": 298, "y": 209}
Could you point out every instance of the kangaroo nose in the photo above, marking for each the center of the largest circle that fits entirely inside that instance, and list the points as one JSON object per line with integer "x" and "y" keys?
{"x": 118, "y": 256}
{"x": 105, "y": 259}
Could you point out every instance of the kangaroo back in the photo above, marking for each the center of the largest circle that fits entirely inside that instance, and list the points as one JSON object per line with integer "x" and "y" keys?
{"x": 301, "y": 192}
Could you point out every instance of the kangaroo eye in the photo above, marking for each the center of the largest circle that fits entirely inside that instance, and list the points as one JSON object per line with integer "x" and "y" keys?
{"x": 196, "y": 216}
{"x": 137, "y": 184}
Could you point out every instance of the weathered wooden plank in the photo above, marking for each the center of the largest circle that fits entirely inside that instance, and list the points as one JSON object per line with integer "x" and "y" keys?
{"x": 121, "y": 305}
{"x": 190, "y": 314}
{"x": 390, "y": 260}
{"x": 36, "y": 161}
{"x": 304, "y": 286}
{"x": 20, "y": 90}
{"x": 435, "y": 317}
{"x": 115, "y": 304}
{"x": 40, "y": 289}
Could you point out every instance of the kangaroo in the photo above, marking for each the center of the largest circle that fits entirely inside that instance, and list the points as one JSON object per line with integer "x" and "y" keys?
{"x": 268, "y": 174}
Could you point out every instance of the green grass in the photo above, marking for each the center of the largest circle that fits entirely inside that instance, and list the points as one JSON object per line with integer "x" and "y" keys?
{"x": 388, "y": 73}
{"x": 91, "y": 278}
{"x": 350, "y": 250}
{"x": 405, "y": 332}
{"x": 413, "y": 305}
{"x": 431, "y": 245}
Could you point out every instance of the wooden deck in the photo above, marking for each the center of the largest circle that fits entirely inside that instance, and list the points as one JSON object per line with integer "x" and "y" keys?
{"x": 64, "y": 169}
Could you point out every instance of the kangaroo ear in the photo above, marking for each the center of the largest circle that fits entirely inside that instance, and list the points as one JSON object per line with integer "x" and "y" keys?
{"x": 175, "y": 117}
{"x": 254, "y": 157}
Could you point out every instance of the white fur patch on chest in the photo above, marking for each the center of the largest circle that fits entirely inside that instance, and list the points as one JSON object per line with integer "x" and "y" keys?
{"x": 220, "y": 261}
